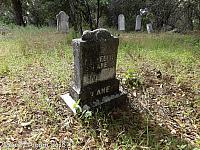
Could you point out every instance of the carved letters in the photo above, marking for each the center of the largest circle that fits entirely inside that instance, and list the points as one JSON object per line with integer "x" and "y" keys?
{"x": 101, "y": 91}
{"x": 102, "y": 62}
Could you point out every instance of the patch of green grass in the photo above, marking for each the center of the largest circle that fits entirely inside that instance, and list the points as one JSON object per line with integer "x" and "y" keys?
{"x": 4, "y": 69}
{"x": 32, "y": 45}
{"x": 171, "y": 53}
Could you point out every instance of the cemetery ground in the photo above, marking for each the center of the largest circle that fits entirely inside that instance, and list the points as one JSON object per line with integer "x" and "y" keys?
{"x": 160, "y": 72}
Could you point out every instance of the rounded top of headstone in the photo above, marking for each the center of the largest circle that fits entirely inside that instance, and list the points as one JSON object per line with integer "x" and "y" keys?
{"x": 96, "y": 35}
{"x": 62, "y": 12}
{"x": 121, "y": 14}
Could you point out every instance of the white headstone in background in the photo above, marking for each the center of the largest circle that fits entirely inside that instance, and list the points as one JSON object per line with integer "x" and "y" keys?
{"x": 121, "y": 22}
{"x": 138, "y": 23}
{"x": 62, "y": 22}
{"x": 149, "y": 28}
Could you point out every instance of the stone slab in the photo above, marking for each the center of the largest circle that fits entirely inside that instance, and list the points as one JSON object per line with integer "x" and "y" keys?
{"x": 138, "y": 23}
{"x": 107, "y": 102}
{"x": 149, "y": 28}
{"x": 62, "y": 22}
{"x": 70, "y": 102}
{"x": 121, "y": 22}
{"x": 96, "y": 90}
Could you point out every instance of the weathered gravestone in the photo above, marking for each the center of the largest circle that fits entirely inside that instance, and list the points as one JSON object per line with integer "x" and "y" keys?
{"x": 62, "y": 22}
{"x": 95, "y": 83}
{"x": 121, "y": 22}
{"x": 138, "y": 23}
{"x": 149, "y": 28}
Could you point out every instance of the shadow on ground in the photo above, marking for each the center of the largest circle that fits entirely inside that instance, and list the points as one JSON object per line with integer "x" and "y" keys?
{"x": 126, "y": 128}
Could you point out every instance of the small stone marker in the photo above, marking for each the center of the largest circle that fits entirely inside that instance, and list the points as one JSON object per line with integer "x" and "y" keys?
{"x": 95, "y": 83}
{"x": 62, "y": 22}
{"x": 149, "y": 28}
{"x": 121, "y": 22}
{"x": 138, "y": 23}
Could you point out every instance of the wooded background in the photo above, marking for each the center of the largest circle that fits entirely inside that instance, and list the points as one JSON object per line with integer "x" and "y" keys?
{"x": 181, "y": 14}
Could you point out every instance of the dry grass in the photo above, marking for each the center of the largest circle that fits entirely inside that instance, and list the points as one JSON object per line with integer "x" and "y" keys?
{"x": 163, "y": 113}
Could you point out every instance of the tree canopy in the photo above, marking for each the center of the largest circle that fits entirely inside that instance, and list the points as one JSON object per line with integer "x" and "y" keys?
{"x": 184, "y": 14}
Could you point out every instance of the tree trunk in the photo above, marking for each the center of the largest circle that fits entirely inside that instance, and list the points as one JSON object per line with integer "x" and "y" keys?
{"x": 198, "y": 27}
{"x": 89, "y": 15}
{"x": 80, "y": 25}
{"x": 189, "y": 17}
{"x": 98, "y": 13}
{"x": 17, "y": 7}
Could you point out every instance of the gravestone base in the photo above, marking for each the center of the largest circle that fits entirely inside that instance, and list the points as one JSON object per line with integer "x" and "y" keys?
{"x": 89, "y": 93}
{"x": 106, "y": 102}
{"x": 113, "y": 101}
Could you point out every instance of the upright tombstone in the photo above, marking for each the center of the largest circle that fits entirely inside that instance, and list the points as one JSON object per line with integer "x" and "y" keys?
{"x": 62, "y": 22}
{"x": 138, "y": 23}
{"x": 121, "y": 22}
{"x": 149, "y": 28}
{"x": 94, "y": 83}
